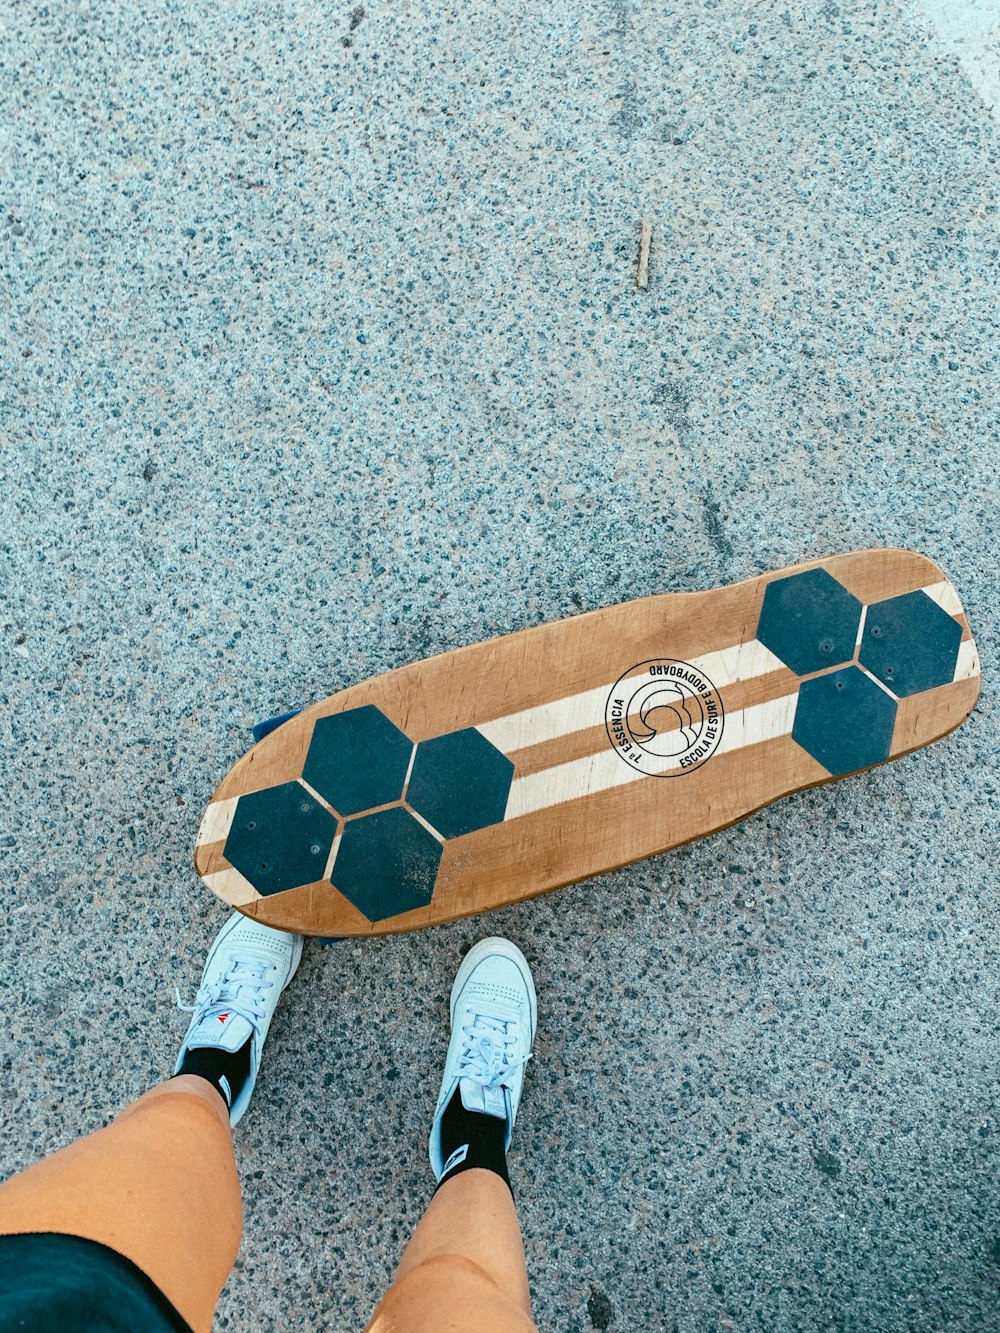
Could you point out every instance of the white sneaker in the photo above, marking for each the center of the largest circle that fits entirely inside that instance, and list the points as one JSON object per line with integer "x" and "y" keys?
{"x": 248, "y": 967}
{"x": 493, "y": 1018}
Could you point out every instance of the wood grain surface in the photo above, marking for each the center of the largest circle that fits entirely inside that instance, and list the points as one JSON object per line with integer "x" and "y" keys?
{"x": 567, "y": 788}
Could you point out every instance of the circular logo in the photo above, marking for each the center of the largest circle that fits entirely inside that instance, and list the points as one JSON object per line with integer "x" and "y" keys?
{"x": 664, "y": 717}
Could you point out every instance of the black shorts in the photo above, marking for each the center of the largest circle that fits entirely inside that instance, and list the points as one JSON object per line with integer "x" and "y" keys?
{"x": 51, "y": 1283}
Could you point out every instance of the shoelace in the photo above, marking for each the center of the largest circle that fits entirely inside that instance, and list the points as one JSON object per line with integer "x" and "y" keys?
{"x": 240, "y": 989}
{"x": 486, "y": 1056}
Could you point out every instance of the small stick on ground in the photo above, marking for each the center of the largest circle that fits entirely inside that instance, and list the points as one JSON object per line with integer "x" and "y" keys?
{"x": 645, "y": 236}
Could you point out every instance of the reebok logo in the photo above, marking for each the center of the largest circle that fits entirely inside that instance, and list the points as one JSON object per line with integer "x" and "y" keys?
{"x": 456, "y": 1159}
{"x": 223, "y": 1017}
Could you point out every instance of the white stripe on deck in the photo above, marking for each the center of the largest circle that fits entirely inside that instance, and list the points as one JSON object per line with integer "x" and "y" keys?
{"x": 549, "y": 722}
{"x": 232, "y": 887}
{"x": 946, "y": 597}
{"x": 600, "y": 772}
{"x": 217, "y": 822}
{"x": 967, "y": 665}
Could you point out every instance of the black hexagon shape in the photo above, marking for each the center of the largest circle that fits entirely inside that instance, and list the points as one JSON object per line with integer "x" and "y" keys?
{"x": 844, "y": 720}
{"x": 387, "y": 863}
{"x": 280, "y": 838}
{"x": 910, "y": 643}
{"x": 357, "y": 759}
{"x": 460, "y": 782}
{"x": 810, "y": 621}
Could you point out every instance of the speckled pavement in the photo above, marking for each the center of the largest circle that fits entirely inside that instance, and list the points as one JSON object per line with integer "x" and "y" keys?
{"x": 322, "y": 352}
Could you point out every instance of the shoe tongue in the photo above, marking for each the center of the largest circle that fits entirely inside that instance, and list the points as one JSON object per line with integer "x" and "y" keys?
{"x": 488, "y": 1101}
{"x": 223, "y": 1028}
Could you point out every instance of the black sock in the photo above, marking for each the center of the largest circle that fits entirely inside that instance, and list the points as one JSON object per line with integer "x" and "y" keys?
{"x": 226, "y": 1071}
{"x": 474, "y": 1140}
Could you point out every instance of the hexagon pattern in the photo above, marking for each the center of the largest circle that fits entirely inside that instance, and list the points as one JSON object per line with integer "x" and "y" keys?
{"x": 357, "y": 759}
{"x": 844, "y": 720}
{"x": 387, "y": 863}
{"x": 387, "y": 860}
{"x": 460, "y": 782}
{"x": 810, "y": 621}
{"x": 280, "y": 838}
{"x": 910, "y": 643}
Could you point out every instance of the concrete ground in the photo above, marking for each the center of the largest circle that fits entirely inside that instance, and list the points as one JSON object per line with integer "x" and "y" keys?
{"x": 322, "y": 352}
{"x": 968, "y": 31}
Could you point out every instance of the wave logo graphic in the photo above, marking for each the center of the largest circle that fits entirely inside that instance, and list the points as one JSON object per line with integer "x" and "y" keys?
{"x": 664, "y": 717}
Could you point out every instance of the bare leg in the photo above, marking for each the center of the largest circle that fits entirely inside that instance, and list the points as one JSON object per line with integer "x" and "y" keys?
{"x": 159, "y": 1185}
{"x": 473, "y": 1216}
{"x": 463, "y": 1270}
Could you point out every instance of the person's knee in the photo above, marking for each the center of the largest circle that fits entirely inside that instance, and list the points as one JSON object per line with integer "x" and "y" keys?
{"x": 448, "y": 1294}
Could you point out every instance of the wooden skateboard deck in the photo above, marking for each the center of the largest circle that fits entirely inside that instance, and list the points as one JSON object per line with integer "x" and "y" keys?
{"x": 500, "y": 771}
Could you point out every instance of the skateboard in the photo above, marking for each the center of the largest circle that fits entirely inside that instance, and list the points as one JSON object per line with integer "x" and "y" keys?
{"x": 496, "y": 772}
